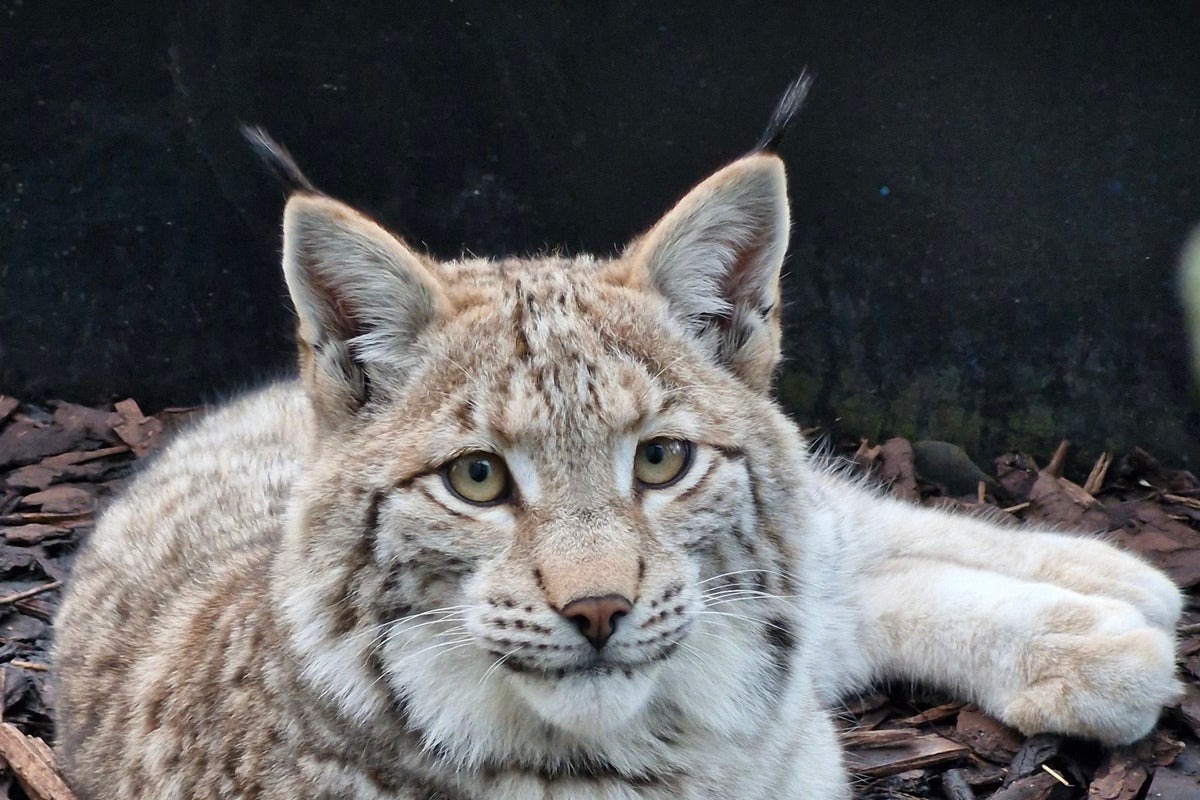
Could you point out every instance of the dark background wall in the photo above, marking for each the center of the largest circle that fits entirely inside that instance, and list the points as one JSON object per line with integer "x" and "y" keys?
{"x": 989, "y": 197}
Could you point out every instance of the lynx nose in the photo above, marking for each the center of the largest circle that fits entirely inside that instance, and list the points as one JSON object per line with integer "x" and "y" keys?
{"x": 596, "y": 617}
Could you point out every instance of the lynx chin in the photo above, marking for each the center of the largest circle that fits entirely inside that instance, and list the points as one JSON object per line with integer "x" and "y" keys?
{"x": 537, "y": 529}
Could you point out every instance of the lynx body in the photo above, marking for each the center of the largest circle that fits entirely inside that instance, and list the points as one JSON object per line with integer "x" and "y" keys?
{"x": 535, "y": 528}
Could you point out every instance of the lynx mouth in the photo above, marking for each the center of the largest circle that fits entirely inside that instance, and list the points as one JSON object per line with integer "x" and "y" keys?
{"x": 591, "y": 696}
{"x": 594, "y": 666}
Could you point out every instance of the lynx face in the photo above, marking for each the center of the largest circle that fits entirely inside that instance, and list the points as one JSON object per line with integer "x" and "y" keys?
{"x": 545, "y": 486}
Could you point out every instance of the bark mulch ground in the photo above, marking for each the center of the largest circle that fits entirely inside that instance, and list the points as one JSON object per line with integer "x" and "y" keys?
{"x": 60, "y": 463}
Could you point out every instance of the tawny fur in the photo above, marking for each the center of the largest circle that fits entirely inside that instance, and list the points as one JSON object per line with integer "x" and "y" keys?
{"x": 290, "y": 602}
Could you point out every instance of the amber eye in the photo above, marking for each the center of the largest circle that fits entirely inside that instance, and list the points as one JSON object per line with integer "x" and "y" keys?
{"x": 477, "y": 477}
{"x": 660, "y": 462}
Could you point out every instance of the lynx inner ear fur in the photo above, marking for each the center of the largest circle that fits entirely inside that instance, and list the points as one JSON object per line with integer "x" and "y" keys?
{"x": 716, "y": 258}
{"x": 362, "y": 298}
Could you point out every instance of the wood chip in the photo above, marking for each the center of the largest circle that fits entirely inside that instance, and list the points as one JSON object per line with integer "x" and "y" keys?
{"x": 1189, "y": 708}
{"x": 915, "y": 752}
{"x": 935, "y": 714}
{"x": 1035, "y": 787}
{"x": 30, "y": 534}
{"x": 955, "y": 786}
{"x": 34, "y": 477}
{"x": 1169, "y": 784}
{"x": 7, "y": 406}
{"x": 869, "y": 738}
{"x": 18, "y": 596}
{"x": 1095, "y": 478}
{"x": 66, "y": 520}
{"x": 33, "y": 765}
{"x": 83, "y": 456}
{"x": 1034, "y": 753}
{"x": 1144, "y": 527}
{"x": 61, "y": 500}
{"x": 23, "y": 441}
{"x": 136, "y": 429}
{"x": 1055, "y": 467}
{"x": 987, "y": 737}
{"x": 897, "y": 468}
{"x": 98, "y": 423}
{"x": 1120, "y": 777}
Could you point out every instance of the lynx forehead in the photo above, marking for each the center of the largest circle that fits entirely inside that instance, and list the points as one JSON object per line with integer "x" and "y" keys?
{"x": 535, "y": 528}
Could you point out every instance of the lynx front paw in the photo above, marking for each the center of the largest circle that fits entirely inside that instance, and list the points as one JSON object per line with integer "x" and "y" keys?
{"x": 1100, "y": 672}
{"x": 1094, "y": 567}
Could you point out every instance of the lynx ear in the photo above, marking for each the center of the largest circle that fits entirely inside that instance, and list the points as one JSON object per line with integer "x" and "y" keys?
{"x": 362, "y": 298}
{"x": 716, "y": 258}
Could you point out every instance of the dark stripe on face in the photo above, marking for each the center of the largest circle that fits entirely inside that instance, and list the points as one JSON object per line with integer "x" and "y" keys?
{"x": 346, "y": 612}
{"x": 431, "y": 497}
{"x": 586, "y": 768}
{"x": 781, "y": 641}
{"x": 699, "y": 485}
{"x": 730, "y": 452}
{"x": 780, "y": 559}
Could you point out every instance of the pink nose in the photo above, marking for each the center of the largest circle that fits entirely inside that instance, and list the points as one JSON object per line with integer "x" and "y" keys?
{"x": 596, "y": 617}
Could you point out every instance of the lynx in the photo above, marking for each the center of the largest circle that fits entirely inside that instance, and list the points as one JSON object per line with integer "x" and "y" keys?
{"x": 536, "y": 529}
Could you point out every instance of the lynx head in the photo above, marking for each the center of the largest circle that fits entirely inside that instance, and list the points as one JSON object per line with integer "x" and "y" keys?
{"x": 535, "y": 483}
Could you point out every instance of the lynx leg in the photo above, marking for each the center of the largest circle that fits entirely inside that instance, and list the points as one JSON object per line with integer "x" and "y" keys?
{"x": 1080, "y": 563}
{"x": 1036, "y": 655}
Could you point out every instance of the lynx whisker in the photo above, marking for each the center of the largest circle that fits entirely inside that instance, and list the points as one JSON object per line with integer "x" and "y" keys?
{"x": 755, "y": 571}
{"x": 496, "y": 664}
{"x": 433, "y": 649}
{"x": 743, "y": 618}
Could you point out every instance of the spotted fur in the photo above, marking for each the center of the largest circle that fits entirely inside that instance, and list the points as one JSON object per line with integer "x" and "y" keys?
{"x": 291, "y": 603}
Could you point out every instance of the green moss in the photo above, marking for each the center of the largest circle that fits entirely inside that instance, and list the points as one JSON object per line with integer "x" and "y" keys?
{"x": 932, "y": 406}
{"x": 798, "y": 393}
{"x": 1033, "y": 429}
{"x": 954, "y": 423}
{"x": 859, "y": 409}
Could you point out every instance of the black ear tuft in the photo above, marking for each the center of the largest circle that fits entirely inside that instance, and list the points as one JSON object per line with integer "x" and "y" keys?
{"x": 278, "y": 160}
{"x": 785, "y": 111}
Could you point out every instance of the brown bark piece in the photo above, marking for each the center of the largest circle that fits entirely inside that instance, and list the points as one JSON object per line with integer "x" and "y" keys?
{"x": 1159, "y": 749}
{"x": 987, "y": 737}
{"x": 1189, "y": 709}
{"x": 51, "y": 518}
{"x": 1016, "y": 474}
{"x": 135, "y": 428}
{"x": 30, "y": 534}
{"x": 1139, "y": 465}
{"x": 96, "y": 422}
{"x": 1146, "y": 528}
{"x": 1035, "y": 787}
{"x": 955, "y": 786}
{"x": 1035, "y": 751}
{"x": 1059, "y": 502}
{"x": 1169, "y": 784}
{"x": 898, "y": 468}
{"x": 918, "y": 751}
{"x": 934, "y": 714}
{"x": 36, "y": 590}
{"x": 23, "y": 442}
{"x": 61, "y": 500}
{"x": 37, "y": 775}
{"x": 866, "y": 739}
{"x": 1095, "y": 478}
{"x": 81, "y": 456}
{"x": 1120, "y": 777}
{"x": 35, "y": 477}
{"x": 863, "y": 703}
{"x": 7, "y": 406}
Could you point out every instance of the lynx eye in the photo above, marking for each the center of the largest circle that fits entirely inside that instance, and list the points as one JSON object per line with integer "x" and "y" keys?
{"x": 660, "y": 462}
{"x": 477, "y": 477}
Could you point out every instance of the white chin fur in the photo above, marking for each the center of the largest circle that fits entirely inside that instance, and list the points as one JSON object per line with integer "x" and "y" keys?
{"x": 588, "y": 703}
